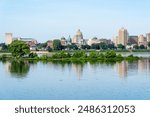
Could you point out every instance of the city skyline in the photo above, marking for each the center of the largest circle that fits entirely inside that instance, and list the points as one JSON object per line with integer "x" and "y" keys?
{"x": 45, "y": 20}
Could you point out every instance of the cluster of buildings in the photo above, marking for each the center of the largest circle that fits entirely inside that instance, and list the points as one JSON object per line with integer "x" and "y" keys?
{"x": 78, "y": 39}
{"x": 129, "y": 41}
{"x": 30, "y": 41}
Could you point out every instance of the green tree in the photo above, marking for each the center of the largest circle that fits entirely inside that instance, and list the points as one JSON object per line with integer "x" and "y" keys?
{"x": 49, "y": 49}
{"x": 142, "y": 47}
{"x": 103, "y": 46}
{"x": 111, "y": 46}
{"x": 72, "y": 47}
{"x": 85, "y": 47}
{"x": 149, "y": 44}
{"x": 95, "y": 46}
{"x": 57, "y": 44}
{"x": 4, "y": 47}
{"x": 19, "y": 49}
{"x": 136, "y": 47}
{"x": 120, "y": 46}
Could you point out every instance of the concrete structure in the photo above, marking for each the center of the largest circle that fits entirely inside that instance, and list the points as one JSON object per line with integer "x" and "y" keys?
{"x": 8, "y": 38}
{"x": 142, "y": 40}
{"x": 69, "y": 40}
{"x": 148, "y": 37}
{"x": 30, "y": 41}
{"x": 63, "y": 41}
{"x": 122, "y": 36}
{"x": 94, "y": 40}
{"x": 115, "y": 41}
{"x": 78, "y": 39}
{"x": 107, "y": 41}
{"x": 133, "y": 40}
{"x": 50, "y": 44}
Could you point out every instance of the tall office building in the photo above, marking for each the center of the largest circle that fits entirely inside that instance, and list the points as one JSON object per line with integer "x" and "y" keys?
{"x": 8, "y": 38}
{"x": 148, "y": 37}
{"x": 123, "y": 36}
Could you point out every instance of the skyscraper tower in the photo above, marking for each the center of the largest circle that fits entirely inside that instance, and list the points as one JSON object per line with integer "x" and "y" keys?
{"x": 148, "y": 37}
{"x": 8, "y": 38}
{"x": 123, "y": 36}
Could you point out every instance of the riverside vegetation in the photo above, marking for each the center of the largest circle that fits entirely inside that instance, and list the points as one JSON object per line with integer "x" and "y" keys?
{"x": 20, "y": 51}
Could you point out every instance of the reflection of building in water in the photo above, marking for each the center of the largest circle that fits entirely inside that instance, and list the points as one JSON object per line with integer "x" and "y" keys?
{"x": 7, "y": 66}
{"x": 78, "y": 68}
{"x": 143, "y": 65}
{"x": 122, "y": 69}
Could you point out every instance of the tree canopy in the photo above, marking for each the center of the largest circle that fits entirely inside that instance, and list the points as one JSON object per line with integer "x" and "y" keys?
{"x": 19, "y": 49}
{"x": 57, "y": 44}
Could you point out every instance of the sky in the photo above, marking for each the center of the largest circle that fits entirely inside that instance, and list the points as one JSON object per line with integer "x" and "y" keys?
{"x": 51, "y": 19}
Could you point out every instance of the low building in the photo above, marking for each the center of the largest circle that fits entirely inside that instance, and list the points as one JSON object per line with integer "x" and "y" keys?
{"x": 63, "y": 41}
{"x": 30, "y": 41}
{"x": 142, "y": 40}
{"x": 107, "y": 41}
{"x": 133, "y": 40}
{"x": 50, "y": 44}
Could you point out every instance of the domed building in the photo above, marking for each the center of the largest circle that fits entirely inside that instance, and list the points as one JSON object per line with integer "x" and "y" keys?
{"x": 78, "y": 39}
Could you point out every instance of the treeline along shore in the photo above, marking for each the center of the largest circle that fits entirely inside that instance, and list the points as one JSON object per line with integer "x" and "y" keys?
{"x": 20, "y": 51}
{"x": 74, "y": 56}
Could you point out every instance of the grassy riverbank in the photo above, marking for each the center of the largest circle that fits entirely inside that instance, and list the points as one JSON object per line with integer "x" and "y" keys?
{"x": 78, "y": 56}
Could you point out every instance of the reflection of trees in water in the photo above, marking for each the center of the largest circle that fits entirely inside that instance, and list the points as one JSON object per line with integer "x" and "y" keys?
{"x": 19, "y": 69}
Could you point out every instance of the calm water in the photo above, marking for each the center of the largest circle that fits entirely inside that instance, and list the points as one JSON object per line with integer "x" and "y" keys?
{"x": 92, "y": 81}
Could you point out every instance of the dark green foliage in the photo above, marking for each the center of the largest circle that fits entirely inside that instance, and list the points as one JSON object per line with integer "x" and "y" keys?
{"x": 72, "y": 47}
{"x": 136, "y": 47}
{"x": 49, "y": 49}
{"x": 142, "y": 47}
{"x": 33, "y": 55}
{"x": 79, "y": 54}
{"x": 85, "y": 47}
{"x": 19, "y": 49}
{"x": 19, "y": 68}
{"x": 93, "y": 55}
{"x": 56, "y": 44}
{"x": 120, "y": 46}
{"x": 149, "y": 44}
{"x": 111, "y": 46}
{"x": 110, "y": 54}
{"x": 61, "y": 54}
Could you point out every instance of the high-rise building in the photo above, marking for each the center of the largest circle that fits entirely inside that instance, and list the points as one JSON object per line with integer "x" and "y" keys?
{"x": 123, "y": 36}
{"x": 8, "y": 38}
{"x": 148, "y": 37}
{"x": 115, "y": 40}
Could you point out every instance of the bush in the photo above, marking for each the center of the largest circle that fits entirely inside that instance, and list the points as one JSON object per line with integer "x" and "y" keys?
{"x": 33, "y": 55}
{"x": 79, "y": 54}
{"x": 110, "y": 54}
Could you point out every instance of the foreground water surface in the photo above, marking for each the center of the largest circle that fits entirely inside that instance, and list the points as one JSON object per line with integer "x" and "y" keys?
{"x": 75, "y": 81}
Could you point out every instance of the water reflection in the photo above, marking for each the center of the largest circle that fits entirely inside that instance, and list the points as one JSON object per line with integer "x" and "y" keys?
{"x": 18, "y": 69}
{"x": 122, "y": 69}
{"x": 78, "y": 68}
{"x": 126, "y": 69}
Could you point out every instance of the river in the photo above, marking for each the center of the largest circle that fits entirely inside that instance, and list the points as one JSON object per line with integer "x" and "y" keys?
{"x": 75, "y": 81}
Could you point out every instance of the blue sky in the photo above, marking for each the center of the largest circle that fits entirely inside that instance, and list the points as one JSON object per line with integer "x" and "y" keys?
{"x": 50, "y": 19}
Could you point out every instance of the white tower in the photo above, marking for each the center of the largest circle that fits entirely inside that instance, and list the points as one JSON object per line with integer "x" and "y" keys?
{"x": 8, "y": 38}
